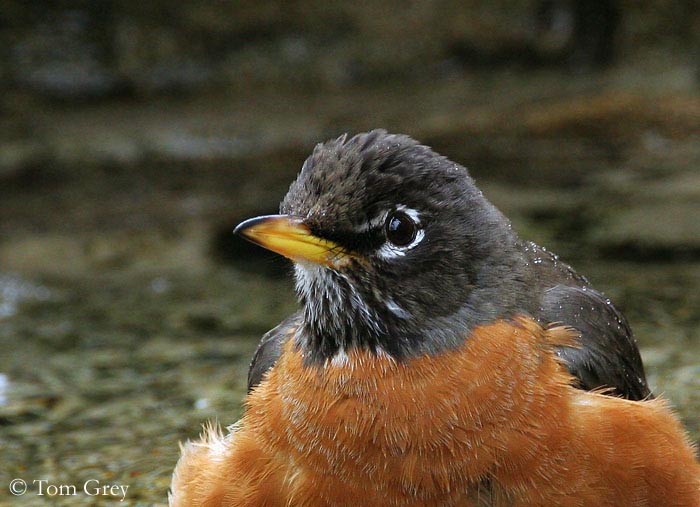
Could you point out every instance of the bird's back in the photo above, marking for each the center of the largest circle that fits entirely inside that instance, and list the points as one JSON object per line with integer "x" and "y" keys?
{"x": 606, "y": 354}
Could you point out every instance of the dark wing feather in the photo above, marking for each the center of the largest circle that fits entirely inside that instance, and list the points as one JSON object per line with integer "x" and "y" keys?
{"x": 608, "y": 355}
{"x": 270, "y": 349}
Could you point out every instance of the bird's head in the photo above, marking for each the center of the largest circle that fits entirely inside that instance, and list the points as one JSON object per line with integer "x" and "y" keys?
{"x": 394, "y": 247}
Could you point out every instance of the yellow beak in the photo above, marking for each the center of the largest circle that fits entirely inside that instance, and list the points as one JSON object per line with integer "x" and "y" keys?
{"x": 289, "y": 236}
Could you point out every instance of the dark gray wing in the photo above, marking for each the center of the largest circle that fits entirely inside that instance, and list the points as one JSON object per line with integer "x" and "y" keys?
{"x": 608, "y": 355}
{"x": 270, "y": 349}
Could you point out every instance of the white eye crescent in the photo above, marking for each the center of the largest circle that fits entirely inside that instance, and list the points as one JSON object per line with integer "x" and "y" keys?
{"x": 403, "y": 232}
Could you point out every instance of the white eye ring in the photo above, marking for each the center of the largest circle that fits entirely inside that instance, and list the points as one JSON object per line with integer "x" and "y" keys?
{"x": 390, "y": 250}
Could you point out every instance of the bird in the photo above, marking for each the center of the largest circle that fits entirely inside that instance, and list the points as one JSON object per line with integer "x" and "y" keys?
{"x": 436, "y": 359}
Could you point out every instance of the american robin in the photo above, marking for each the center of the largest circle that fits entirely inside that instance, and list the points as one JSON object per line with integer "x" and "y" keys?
{"x": 437, "y": 359}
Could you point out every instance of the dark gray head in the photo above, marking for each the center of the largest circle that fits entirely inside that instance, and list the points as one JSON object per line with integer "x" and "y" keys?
{"x": 414, "y": 254}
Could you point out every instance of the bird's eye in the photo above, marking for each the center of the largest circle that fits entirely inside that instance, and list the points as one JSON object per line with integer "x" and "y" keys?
{"x": 400, "y": 228}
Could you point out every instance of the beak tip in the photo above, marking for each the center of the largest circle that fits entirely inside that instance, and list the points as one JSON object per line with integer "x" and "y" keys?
{"x": 242, "y": 228}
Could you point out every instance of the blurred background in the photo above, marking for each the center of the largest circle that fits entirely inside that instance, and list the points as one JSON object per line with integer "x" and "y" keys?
{"x": 135, "y": 135}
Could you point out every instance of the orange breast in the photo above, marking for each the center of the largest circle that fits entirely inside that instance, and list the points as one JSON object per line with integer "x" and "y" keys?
{"x": 495, "y": 422}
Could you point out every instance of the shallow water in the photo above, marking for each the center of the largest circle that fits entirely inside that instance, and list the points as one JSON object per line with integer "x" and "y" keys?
{"x": 105, "y": 375}
{"x": 128, "y": 315}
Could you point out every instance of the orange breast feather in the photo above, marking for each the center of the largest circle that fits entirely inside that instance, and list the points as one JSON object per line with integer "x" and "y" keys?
{"x": 495, "y": 422}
